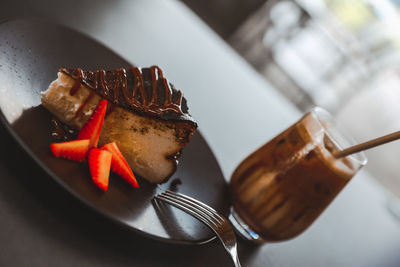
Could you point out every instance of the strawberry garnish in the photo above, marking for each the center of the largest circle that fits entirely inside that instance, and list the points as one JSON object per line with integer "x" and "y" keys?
{"x": 74, "y": 150}
{"x": 100, "y": 160}
{"x": 99, "y": 166}
{"x": 119, "y": 164}
{"x": 91, "y": 130}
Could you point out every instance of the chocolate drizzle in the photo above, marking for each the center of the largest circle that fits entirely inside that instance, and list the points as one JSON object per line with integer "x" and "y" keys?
{"x": 80, "y": 110}
{"x": 77, "y": 83}
{"x": 142, "y": 90}
{"x": 62, "y": 132}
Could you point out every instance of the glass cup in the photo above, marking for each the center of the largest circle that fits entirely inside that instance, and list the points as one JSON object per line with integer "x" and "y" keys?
{"x": 280, "y": 189}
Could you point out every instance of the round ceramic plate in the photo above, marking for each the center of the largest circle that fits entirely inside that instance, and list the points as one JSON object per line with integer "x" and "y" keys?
{"x": 31, "y": 52}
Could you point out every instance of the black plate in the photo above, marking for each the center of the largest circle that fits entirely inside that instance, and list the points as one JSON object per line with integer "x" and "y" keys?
{"x": 31, "y": 52}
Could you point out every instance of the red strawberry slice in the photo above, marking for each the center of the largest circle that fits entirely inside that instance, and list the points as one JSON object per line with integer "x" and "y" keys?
{"x": 76, "y": 150}
{"x": 91, "y": 130}
{"x": 119, "y": 164}
{"x": 99, "y": 166}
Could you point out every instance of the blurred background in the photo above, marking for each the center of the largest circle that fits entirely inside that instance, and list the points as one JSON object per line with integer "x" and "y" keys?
{"x": 343, "y": 55}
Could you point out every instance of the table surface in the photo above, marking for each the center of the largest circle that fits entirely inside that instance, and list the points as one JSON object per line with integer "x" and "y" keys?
{"x": 43, "y": 225}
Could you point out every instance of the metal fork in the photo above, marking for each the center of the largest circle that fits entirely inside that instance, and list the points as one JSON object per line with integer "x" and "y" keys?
{"x": 208, "y": 216}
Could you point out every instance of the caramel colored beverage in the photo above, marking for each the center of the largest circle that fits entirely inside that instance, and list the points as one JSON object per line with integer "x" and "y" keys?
{"x": 280, "y": 189}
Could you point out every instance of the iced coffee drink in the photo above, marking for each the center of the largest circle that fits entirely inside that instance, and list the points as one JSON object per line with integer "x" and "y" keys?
{"x": 280, "y": 189}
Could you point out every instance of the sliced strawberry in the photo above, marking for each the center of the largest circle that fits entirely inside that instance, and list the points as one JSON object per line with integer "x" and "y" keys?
{"x": 76, "y": 150}
{"x": 91, "y": 130}
{"x": 119, "y": 164}
{"x": 99, "y": 166}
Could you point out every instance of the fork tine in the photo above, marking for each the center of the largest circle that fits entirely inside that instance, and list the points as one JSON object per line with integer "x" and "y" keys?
{"x": 189, "y": 209}
{"x": 192, "y": 207}
{"x": 218, "y": 224}
{"x": 193, "y": 204}
{"x": 198, "y": 203}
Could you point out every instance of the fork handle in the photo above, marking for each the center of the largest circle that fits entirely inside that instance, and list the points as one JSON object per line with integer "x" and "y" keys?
{"x": 233, "y": 253}
{"x": 236, "y": 260}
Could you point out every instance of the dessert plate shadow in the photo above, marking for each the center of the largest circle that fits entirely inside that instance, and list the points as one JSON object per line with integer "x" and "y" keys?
{"x": 31, "y": 52}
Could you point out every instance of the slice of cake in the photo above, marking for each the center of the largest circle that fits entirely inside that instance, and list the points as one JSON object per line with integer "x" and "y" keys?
{"x": 147, "y": 117}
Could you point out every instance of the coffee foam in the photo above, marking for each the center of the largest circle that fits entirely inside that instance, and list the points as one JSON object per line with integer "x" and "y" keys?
{"x": 324, "y": 145}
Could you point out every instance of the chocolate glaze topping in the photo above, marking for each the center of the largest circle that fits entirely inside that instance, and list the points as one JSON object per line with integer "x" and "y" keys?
{"x": 142, "y": 90}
